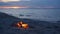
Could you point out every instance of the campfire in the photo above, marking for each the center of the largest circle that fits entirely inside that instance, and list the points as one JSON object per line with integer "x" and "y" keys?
{"x": 22, "y": 25}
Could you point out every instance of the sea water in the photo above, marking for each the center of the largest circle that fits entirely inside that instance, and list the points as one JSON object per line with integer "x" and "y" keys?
{"x": 39, "y": 14}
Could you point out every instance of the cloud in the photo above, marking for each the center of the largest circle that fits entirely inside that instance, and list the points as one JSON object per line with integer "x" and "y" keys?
{"x": 12, "y": 0}
{"x": 35, "y": 3}
{"x": 9, "y": 0}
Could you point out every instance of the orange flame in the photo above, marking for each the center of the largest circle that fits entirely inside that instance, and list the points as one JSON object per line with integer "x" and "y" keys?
{"x": 21, "y": 25}
{"x": 18, "y": 25}
{"x": 25, "y": 26}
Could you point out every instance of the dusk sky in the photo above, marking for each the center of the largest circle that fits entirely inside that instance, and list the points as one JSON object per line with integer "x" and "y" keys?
{"x": 31, "y": 3}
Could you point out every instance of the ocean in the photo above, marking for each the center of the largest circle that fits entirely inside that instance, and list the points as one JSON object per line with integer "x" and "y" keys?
{"x": 34, "y": 13}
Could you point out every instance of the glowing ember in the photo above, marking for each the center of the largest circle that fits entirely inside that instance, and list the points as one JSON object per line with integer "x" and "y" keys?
{"x": 22, "y": 25}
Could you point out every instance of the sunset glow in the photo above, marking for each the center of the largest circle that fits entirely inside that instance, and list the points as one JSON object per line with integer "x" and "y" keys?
{"x": 14, "y": 7}
{"x": 10, "y": 0}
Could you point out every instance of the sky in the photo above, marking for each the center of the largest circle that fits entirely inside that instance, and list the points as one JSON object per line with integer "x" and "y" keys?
{"x": 32, "y": 3}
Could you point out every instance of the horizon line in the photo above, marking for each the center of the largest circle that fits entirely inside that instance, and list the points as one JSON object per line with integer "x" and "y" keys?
{"x": 27, "y": 7}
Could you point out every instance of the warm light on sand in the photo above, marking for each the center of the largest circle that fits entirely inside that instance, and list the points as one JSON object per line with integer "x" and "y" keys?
{"x": 14, "y": 7}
